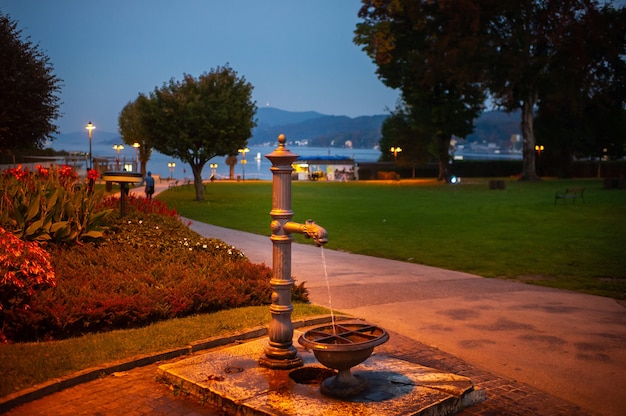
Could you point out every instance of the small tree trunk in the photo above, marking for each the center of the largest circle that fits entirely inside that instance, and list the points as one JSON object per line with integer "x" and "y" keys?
{"x": 197, "y": 181}
{"x": 443, "y": 146}
{"x": 529, "y": 170}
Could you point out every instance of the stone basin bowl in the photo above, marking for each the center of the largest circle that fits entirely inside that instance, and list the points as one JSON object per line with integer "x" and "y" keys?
{"x": 341, "y": 347}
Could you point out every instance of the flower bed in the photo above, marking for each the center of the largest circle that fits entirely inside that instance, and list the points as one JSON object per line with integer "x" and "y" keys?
{"x": 145, "y": 267}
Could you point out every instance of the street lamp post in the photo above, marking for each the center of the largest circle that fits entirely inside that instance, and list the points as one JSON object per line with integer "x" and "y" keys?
{"x": 171, "y": 165}
{"x": 243, "y": 160}
{"x": 213, "y": 167}
{"x": 539, "y": 149}
{"x": 119, "y": 148}
{"x": 395, "y": 151}
{"x": 90, "y": 128}
{"x": 137, "y": 146}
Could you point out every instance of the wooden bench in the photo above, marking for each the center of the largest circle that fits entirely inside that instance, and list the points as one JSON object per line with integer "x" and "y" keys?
{"x": 172, "y": 184}
{"x": 570, "y": 193}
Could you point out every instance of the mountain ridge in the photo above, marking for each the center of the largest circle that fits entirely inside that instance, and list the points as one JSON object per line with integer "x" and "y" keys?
{"x": 320, "y": 130}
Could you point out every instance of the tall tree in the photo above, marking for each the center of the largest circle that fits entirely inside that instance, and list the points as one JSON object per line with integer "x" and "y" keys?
{"x": 428, "y": 50}
{"x": 400, "y": 130}
{"x": 529, "y": 43}
{"x": 28, "y": 91}
{"x": 584, "y": 113}
{"x": 132, "y": 130}
{"x": 195, "y": 120}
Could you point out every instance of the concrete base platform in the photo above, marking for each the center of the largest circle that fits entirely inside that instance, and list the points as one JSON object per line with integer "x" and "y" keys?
{"x": 232, "y": 378}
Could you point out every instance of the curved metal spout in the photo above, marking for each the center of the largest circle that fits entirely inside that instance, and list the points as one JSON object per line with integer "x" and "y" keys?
{"x": 310, "y": 230}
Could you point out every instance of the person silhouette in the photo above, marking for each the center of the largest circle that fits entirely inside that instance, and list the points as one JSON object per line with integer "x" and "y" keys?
{"x": 149, "y": 180}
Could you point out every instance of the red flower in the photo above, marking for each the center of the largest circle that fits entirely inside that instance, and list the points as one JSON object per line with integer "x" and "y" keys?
{"x": 17, "y": 172}
{"x": 43, "y": 172}
{"x": 93, "y": 174}
{"x": 67, "y": 172}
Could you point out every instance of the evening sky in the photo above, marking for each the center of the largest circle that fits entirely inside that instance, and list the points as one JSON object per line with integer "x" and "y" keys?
{"x": 298, "y": 55}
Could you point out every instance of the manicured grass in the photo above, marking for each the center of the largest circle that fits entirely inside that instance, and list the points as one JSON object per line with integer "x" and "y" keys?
{"x": 517, "y": 233}
{"x": 26, "y": 364}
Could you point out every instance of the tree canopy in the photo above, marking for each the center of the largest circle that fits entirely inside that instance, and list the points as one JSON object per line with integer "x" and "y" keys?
{"x": 444, "y": 56}
{"x": 28, "y": 91}
{"x": 196, "y": 119}
{"x": 584, "y": 114}
{"x": 132, "y": 129}
{"x": 531, "y": 49}
{"x": 428, "y": 51}
{"x": 400, "y": 131}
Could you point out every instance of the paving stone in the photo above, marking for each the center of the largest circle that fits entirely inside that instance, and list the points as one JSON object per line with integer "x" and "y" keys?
{"x": 138, "y": 393}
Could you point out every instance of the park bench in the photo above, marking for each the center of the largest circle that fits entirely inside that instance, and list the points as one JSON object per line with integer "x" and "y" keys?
{"x": 172, "y": 184}
{"x": 570, "y": 193}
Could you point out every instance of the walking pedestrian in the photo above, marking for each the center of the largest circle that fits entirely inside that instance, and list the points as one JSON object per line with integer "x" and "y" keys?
{"x": 149, "y": 180}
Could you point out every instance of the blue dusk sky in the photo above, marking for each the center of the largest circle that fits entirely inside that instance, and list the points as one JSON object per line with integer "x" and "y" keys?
{"x": 298, "y": 55}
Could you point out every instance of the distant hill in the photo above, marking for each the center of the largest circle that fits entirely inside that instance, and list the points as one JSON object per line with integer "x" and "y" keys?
{"x": 79, "y": 141}
{"x": 495, "y": 127}
{"x": 316, "y": 129}
{"x": 270, "y": 116}
{"x": 364, "y": 132}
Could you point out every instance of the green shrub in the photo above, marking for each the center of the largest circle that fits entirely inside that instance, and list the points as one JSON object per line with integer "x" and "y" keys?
{"x": 136, "y": 204}
{"x": 50, "y": 205}
{"x": 25, "y": 268}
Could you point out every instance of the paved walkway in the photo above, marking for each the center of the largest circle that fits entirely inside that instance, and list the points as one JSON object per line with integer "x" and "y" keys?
{"x": 536, "y": 351}
{"x": 569, "y": 345}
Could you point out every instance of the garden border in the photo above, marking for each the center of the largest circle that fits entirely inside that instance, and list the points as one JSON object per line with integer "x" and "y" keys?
{"x": 53, "y": 386}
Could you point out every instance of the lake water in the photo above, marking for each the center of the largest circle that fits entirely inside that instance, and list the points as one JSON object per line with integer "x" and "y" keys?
{"x": 255, "y": 168}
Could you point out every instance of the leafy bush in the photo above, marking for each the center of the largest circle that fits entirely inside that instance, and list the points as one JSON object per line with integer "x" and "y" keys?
{"x": 148, "y": 267}
{"x": 25, "y": 268}
{"x": 135, "y": 204}
{"x": 50, "y": 204}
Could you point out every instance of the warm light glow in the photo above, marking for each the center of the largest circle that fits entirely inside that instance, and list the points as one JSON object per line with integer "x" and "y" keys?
{"x": 171, "y": 164}
{"x": 90, "y": 128}
{"x": 118, "y": 147}
{"x": 136, "y": 145}
{"x": 243, "y": 151}
{"x": 539, "y": 149}
{"x": 213, "y": 165}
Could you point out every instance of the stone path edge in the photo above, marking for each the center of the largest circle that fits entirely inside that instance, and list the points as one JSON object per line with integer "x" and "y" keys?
{"x": 55, "y": 385}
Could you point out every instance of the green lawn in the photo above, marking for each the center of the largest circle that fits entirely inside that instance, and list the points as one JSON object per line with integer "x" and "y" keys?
{"x": 517, "y": 233}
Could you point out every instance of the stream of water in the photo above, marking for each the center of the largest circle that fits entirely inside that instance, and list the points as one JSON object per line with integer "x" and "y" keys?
{"x": 330, "y": 303}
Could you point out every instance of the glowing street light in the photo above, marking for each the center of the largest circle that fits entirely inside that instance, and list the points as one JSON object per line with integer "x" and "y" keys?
{"x": 137, "y": 146}
{"x": 539, "y": 149}
{"x": 171, "y": 165}
{"x": 243, "y": 160}
{"x": 395, "y": 151}
{"x": 90, "y": 128}
{"x": 213, "y": 167}
{"x": 118, "y": 148}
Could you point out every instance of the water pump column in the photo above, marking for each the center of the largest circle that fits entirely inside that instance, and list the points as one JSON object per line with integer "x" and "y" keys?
{"x": 280, "y": 352}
